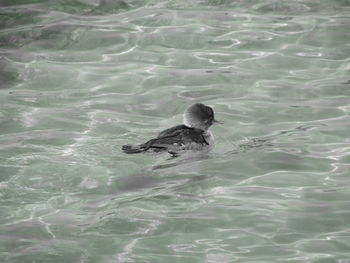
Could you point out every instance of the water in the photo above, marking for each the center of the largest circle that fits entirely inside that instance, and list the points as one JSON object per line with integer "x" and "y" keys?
{"x": 81, "y": 78}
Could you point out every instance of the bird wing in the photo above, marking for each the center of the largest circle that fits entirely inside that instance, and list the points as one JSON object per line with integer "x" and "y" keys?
{"x": 177, "y": 135}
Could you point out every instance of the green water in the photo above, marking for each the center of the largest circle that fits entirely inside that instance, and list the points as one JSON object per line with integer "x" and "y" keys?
{"x": 80, "y": 78}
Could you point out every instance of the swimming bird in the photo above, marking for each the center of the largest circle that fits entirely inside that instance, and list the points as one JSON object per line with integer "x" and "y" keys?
{"x": 192, "y": 135}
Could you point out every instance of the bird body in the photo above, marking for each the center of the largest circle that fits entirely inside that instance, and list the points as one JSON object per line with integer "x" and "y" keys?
{"x": 193, "y": 136}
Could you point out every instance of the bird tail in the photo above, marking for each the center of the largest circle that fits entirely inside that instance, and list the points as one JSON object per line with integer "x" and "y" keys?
{"x": 133, "y": 148}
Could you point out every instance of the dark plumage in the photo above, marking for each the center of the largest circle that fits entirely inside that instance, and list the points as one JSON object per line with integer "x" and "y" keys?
{"x": 193, "y": 136}
{"x": 170, "y": 139}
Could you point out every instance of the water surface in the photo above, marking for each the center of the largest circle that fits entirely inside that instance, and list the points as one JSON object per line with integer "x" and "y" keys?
{"x": 78, "y": 79}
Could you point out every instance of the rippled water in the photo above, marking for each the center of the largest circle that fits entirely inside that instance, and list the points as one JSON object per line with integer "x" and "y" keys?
{"x": 80, "y": 78}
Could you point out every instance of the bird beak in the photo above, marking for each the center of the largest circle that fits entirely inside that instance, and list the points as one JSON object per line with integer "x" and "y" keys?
{"x": 219, "y": 122}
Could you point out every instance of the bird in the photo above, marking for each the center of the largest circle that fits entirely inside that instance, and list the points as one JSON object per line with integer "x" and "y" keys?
{"x": 193, "y": 135}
